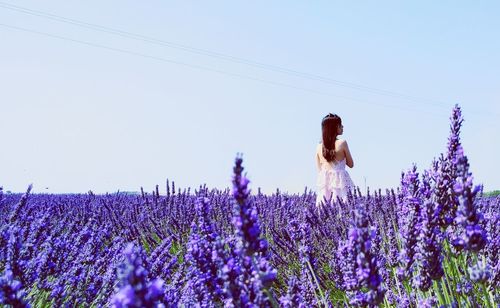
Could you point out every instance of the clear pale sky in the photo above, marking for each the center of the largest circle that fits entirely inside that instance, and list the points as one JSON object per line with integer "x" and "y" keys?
{"x": 108, "y": 113}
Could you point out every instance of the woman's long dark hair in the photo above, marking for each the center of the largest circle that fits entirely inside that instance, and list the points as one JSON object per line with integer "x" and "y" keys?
{"x": 329, "y": 128}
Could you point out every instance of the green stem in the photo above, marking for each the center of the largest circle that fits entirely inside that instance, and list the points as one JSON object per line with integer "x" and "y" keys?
{"x": 317, "y": 283}
{"x": 441, "y": 299}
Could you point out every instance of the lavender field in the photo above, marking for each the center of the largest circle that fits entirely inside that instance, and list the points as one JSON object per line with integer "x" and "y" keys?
{"x": 432, "y": 242}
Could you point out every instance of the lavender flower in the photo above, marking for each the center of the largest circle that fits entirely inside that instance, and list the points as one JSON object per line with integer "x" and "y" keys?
{"x": 429, "y": 242}
{"x": 361, "y": 236}
{"x": 11, "y": 291}
{"x": 471, "y": 235}
{"x": 247, "y": 273}
{"x": 446, "y": 177}
{"x": 479, "y": 272}
{"x": 411, "y": 223}
{"x": 346, "y": 255}
{"x": 20, "y": 205}
{"x": 205, "y": 284}
{"x": 309, "y": 277}
{"x": 162, "y": 262}
{"x": 15, "y": 260}
{"x": 134, "y": 288}
{"x": 246, "y": 216}
{"x": 454, "y": 138}
{"x": 464, "y": 287}
{"x": 293, "y": 296}
{"x": 428, "y": 302}
{"x": 393, "y": 252}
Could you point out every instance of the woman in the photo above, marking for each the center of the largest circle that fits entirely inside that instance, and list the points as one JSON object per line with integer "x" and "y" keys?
{"x": 332, "y": 155}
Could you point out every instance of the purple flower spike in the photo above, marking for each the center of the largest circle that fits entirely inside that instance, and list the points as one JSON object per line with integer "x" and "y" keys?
{"x": 204, "y": 257}
{"x": 471, "y": 235}
{"x": 246, "y": 217}
{"x": 447, "y": 175}
{"x": 247, "y": 272}
{"x": 134, "y": 288}
{"x": 11, "y": 292}
{"x": 479, "y": 273}
{"x": 410, "y": 210}
{"x": 368, "y": 289}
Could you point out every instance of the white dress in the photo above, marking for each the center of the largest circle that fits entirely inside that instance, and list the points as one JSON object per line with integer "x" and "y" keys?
{"x": 333, "y": 180}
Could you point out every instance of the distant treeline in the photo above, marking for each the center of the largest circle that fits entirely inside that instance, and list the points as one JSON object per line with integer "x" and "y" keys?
{"x": 492, "y": 193}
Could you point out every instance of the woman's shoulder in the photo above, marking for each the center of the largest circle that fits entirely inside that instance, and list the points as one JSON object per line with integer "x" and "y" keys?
{"x": 341, "y": 143}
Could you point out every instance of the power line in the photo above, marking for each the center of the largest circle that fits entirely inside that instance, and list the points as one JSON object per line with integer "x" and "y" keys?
{"x": 222, "y": 56}
{"x": 234, "y": 59}
{"x": 199, "y": 67}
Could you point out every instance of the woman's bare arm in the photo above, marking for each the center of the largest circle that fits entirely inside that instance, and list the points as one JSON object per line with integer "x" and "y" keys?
{"x": 348, "y": 157}
{"x": 317, "y": 161}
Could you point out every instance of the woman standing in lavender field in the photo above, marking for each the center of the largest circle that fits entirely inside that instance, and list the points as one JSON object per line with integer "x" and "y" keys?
{"x": 332, "y": 155}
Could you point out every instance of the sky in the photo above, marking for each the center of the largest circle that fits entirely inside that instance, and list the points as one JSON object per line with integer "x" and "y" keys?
{"x": 118, "y": 95}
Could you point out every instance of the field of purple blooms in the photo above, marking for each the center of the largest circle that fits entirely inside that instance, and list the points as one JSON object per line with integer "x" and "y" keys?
{"x": 432, "y": 242}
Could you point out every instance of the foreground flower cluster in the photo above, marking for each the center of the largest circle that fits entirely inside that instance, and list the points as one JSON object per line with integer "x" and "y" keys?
{"x": 433, "y": 242}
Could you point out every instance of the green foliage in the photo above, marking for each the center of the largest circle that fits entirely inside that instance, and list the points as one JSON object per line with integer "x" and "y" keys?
{"x": 493, "y": 193}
